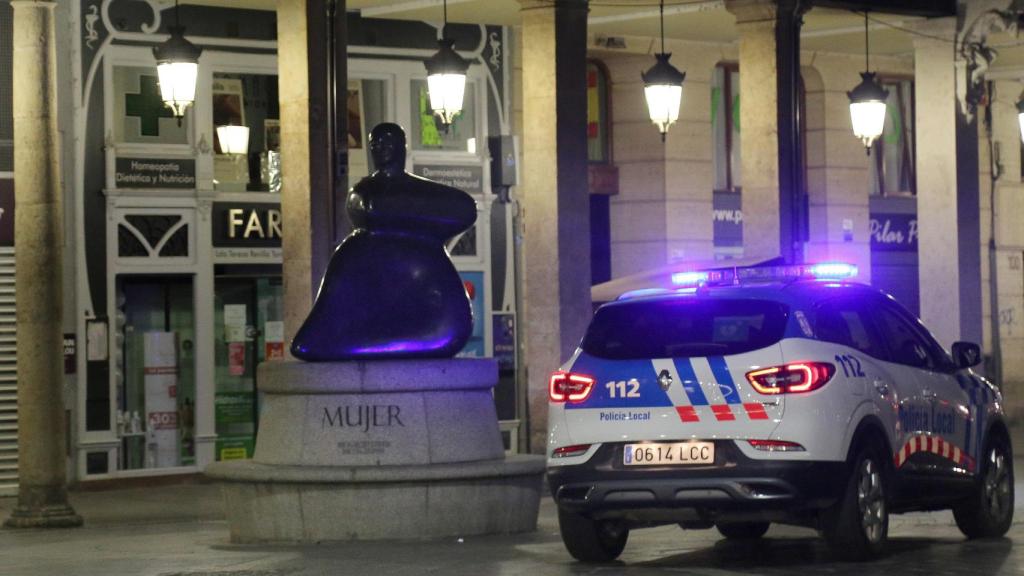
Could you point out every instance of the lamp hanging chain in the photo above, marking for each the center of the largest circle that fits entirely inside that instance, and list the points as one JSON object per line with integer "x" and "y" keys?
{"x": 444, "y": 27}
{"x": 661, "y": 15}
{"x": 867, "y": 49}
{"x": 177, "y": 15}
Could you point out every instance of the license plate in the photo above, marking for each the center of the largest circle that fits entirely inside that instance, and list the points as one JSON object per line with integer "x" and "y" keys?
{"x": 667, "y": 454}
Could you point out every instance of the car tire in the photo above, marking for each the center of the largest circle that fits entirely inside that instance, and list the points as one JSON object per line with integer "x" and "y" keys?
{"x": 743, "y": 530}
{"x": 988, "y": 512}
{"x": 590, "y": 540}
{"x": 857, "y": 526}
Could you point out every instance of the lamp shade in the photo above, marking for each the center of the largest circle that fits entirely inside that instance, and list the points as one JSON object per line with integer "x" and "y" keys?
{"x": 663, "y": 89}
{"x": 446, "y": 81}
{"x": 867, "y": 109}
{"x": 233, "y": 139}
{"x": 1020, "y": 118}
{"x": 177, "y": 64}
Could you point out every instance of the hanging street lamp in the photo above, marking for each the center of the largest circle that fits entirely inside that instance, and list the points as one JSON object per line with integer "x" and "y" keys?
{"x": 663, "y": 86}
{"x": 233, "y": 139}
{"x": 177, "y": 64}
{"x": 446, "y": 77}
{"x": 867, "y": 102}
{"x": 1020, "y": 117}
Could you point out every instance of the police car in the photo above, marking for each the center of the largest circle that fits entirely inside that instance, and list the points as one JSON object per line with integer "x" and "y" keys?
{"x": 737, "y": 398}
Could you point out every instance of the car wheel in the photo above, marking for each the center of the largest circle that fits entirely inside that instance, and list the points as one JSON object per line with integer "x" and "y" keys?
{"x": 988, "y": 513}
{"x": 743, "y": 530}
{"x": 857, "y": 526}
{"x": 590, "y": 540}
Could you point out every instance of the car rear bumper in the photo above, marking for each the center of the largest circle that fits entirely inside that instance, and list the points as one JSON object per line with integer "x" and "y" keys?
{"x": 734, "y": 482}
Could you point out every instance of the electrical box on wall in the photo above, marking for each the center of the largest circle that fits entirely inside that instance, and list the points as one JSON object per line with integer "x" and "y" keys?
{"x": 503, "y": 161}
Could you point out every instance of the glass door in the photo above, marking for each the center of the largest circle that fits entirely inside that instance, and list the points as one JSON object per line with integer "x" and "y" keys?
{"x": 156, "y": 377}
{"x": 247, "y": 331}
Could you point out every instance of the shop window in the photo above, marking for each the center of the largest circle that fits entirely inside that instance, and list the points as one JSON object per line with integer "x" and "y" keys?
{"x": 602, "y": 176}
{"x": 253, "y": 163}
{"x": 427, "y": 131}
{"x": 367, "y": 107}
{"x": 156, "y": 391}
{"x": 248, "y": 330}
{"x": 725, "y": 127}
{"x": 892, "y": 156}
{"x": 598, "y": 128}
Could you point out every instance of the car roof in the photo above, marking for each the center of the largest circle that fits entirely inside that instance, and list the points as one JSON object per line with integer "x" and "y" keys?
{"x": 795, "y": 293}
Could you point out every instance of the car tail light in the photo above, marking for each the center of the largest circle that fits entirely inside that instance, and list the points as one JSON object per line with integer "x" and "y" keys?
{"x": 775, "y": 446}
{"x": 791, "y": 378}
{"x": 569, "y": 387}
{"x": 570, "y": 451}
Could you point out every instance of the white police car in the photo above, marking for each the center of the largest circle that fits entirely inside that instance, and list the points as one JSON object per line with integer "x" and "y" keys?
{"x": 744, "y": 397}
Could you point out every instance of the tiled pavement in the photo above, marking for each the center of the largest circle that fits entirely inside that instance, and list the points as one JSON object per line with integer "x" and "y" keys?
{"x": 179, "y": 530}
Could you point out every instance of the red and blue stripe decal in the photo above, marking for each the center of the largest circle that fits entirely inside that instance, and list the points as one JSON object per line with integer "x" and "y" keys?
{"x": 699, "y": 399}
{"x": 690, "y": 383}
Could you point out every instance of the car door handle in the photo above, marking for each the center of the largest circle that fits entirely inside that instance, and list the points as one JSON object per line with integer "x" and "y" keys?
{"x": 882, "y": 387}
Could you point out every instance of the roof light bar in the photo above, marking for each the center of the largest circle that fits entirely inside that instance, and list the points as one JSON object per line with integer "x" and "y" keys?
{"x": 833, "y": 270}
{"x": 687, "y": 279}
{"x": 822, "y": 271}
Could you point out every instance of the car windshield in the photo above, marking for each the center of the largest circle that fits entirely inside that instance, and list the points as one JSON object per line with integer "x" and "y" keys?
{"x": 681, "y": 328}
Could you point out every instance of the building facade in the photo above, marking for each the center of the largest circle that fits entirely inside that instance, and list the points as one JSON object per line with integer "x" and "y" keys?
{"x": 173, "y": 283}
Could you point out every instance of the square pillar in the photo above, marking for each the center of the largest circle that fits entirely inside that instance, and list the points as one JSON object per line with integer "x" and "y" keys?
{"x": 314, "y": 155}
{"x": 554, "y": 195}
{"x": 759, "y": 142}
{"x": 948, "y": 203}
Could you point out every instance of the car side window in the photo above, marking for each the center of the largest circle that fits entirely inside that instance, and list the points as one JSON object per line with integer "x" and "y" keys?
{"x": 906, "y": 346}
{"x": 843, "y": 321}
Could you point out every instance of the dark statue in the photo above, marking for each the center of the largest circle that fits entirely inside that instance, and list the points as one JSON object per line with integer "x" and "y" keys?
{"x": 390, "y": 290}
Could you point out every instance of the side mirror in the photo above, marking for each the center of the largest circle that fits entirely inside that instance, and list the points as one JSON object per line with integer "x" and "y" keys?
{"x": 966, "y": 354}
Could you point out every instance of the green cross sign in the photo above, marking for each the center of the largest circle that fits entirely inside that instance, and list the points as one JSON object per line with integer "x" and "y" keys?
{"x": 147, "y": 105}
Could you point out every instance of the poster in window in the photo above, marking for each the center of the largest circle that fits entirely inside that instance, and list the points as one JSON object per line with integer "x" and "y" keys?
{"x": 358, "y": 166}
{"x": 272, "y": 134}
{"x": 355, "y": 115}
{"x": 474, "y": 284}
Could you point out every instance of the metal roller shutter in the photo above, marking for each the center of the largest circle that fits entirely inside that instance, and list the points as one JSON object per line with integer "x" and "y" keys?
{"x": 8, "y": 378}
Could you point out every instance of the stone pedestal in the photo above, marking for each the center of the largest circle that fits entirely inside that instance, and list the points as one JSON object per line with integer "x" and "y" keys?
{"x": 378, "y": 450}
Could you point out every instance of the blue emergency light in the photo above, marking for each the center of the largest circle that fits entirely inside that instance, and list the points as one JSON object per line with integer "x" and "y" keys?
{"x": 820, "y": 271}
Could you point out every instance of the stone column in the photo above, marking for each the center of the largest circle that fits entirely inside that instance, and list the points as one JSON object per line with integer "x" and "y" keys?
{"x": 312, "y": 190}
{"x": 38, "y": 224}
{"x": 759, "y": 145}
{"x": 947, "y": 200}
{"x": 293, "y": 95}
{"x": 1009, "y": 237}
{"x": 554, "y": 193}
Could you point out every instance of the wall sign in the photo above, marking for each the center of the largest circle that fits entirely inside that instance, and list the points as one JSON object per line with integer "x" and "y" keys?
{"x": 69, "y": 354}
{"x": 469, "y": 179}
{"x": 6, "y": 212}
{"x": 247, "y": 224}
{"x": 894, "y": 232}
{"x": 246, "y": 231}
{"x": 727, "y": 217}
{"x": 155, "y": 173}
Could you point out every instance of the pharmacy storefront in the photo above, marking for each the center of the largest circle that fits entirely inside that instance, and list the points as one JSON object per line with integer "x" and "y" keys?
{"x": 179, "y": 284}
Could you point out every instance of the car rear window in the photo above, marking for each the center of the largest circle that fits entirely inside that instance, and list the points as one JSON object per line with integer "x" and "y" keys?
{"x": 679, "y": 328}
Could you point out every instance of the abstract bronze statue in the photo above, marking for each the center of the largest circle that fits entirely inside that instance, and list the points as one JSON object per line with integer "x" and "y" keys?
{"x": 390, "y": 290}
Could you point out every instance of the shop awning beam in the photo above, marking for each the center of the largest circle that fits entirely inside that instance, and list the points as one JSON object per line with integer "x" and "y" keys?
{"x": 929, "y": 8}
